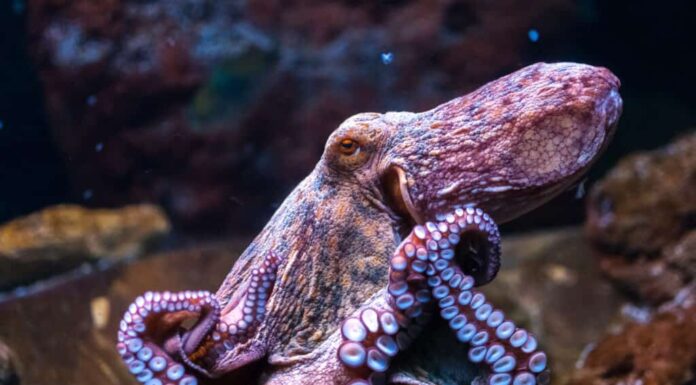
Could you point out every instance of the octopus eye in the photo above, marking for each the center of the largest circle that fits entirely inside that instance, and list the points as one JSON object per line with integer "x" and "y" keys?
{"x": 348, "y": 146}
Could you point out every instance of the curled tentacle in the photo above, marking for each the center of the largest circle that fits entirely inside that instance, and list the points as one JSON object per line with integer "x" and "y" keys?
{"x": 424, "y": 267}
{"x": 150, "y": 363}
{"x": 510, "y": 353}
{"x": 157, "y": 350}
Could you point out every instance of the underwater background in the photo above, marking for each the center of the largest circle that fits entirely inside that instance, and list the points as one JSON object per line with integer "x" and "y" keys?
{"x": 193, "y": 119}
{"x": 215, "y": 110}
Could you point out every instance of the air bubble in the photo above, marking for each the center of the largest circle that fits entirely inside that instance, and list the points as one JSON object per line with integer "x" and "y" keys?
{"x": 387, "y": 58}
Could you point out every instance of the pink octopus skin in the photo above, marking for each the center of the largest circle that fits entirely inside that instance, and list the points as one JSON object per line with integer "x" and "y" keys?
{"x": 394, "y": 226}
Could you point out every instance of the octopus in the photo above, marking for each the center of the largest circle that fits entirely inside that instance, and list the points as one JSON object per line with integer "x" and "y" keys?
{"x": 396, "y": 226}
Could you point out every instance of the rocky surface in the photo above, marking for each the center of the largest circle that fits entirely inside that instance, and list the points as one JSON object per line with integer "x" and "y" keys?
{"x": 661, "y": 351}
{"x": 61, "y": 237}
{"x": 642, "y": 225}
{"x": 201, "y": 105}
{"x": 642, "y": 221}
{"x": 544, "y": 279}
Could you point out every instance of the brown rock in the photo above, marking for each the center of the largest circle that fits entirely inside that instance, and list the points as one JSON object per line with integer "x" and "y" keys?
{"x": 642, "y": 218}
{"x": 660, "y": 352}
{"x": 64, "y": 236}
{"x": 203, "y": 106}
{"x": 652, "y": 281}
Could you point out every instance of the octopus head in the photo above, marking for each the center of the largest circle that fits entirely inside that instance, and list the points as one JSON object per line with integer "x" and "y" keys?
{"x": 507, "y": 148}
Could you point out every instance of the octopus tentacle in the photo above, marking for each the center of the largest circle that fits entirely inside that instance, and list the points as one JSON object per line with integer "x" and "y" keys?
{"x": 510, "y": 353}
{"x": 375, "y": 335}
{"x": 141, "y": 352}
{"x": 425, "y": 267}
{"x": 242, "y": 322}
{"x": 157, "y": 350}
{"x": 372, "y": 339}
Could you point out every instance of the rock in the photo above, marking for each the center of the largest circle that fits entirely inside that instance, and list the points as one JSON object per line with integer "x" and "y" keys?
{"x": 544, "y": 278}
{"x": 660, "y": 352}
{"x": 61, "y": 237}
{"x": 215, "y": 109}
{"x": 644, "y": 280}
{"x": 681, "y": 256}
{"x": 642, "y": 221}
{"x": 8, "y": 367}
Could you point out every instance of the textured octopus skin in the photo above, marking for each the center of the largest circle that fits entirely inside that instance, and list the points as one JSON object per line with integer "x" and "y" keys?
{"x": 337, "y": 251}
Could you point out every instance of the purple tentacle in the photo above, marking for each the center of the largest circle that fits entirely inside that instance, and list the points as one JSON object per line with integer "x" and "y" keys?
{"x": 425, "y": 267}
{"x": 509, "y": 353}
{"x": 141, "y": 352}
{"x": 157, "y": 350}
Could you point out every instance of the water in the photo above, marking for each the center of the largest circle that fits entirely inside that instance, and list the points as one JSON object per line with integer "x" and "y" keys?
{"x": 216, "y": 118}
{"x": 18, "y": 6}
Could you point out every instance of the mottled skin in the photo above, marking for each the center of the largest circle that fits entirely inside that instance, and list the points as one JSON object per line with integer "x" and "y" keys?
{"x": 506, "y": 148}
